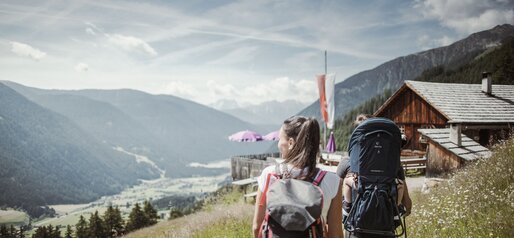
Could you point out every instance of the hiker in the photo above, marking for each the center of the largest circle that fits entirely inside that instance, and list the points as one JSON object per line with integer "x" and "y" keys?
{"x": 350, "y": 178}
{"x": 299, "y": 147}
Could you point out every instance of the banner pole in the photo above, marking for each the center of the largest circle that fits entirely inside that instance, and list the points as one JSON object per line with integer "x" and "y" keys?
{"x": 325, "y": 123}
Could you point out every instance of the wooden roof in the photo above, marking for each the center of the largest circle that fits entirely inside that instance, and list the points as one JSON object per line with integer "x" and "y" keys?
{"x": 470, "y": 149}
{"x": 464, "y": 103}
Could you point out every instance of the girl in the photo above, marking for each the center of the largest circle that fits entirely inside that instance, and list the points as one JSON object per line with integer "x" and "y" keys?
{"x": 299, "y": 146}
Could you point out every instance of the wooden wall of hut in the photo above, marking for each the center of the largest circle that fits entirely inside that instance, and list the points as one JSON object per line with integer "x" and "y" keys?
{"x": 411, "y": 112}
{"x": 245, "y": 167}
{"x": 441, "y": 161}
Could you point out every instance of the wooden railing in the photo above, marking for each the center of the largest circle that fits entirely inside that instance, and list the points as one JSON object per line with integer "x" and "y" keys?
{"x": 414, "y": 163}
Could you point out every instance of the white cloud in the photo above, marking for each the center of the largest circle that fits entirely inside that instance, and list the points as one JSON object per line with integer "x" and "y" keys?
{"x": 428, "y": 42}
{"x": 238, "y": 55}
{"x": 27, "y": 51}
{"x": 222, "y": 90}
{"x": 468, "y": 16}
{"x": 279, "y": 89}
{"x": 181, "y": 89}
{"x": 81, "y": 67}
{"x": 93, "y": 26}
{"x": 131, "y": 44}
{"x": 90, "y": 31}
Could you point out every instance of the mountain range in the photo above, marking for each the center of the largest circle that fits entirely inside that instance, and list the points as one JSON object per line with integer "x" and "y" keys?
{"x": 47, "y": 159}
{"x": 391, "y": 75}
{"x": 69, "y": 146}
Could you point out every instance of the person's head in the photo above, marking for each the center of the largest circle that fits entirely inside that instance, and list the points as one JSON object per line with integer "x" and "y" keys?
{"x": 298, "y": 143}
{"x": 360, "y": 118}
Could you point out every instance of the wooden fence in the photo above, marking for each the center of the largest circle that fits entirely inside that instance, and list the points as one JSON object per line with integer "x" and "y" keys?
{"x": 247, "y": 166}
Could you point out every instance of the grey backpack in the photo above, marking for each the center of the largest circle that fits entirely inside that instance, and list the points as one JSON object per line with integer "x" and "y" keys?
{"x": 293, "y": 207}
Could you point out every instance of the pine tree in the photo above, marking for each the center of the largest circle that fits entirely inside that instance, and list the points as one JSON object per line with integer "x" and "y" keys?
{"x": 69, "y": 232}
{"x": 81, "y": 229}
{"x": 41, "y": 232}
{"x": 113, "y": 222}
{"x": 150, "y": 214}
{"x": 175, "y": 213}
{"x": 120, "y": 226}
{"x": 50, "y": 231}
{"x": 12, "y": 231}
{"x": 3, "y": 231}
{"x": 136, "y": 219}
{"x": 22, "y": 232}
{"x": 56, "y": 233}
{"x": 96, "y": 226}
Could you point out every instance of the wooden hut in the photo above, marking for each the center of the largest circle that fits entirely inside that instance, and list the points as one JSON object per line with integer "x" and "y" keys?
{"x": 444, "y": 156}
{"x": 482, "y": 112}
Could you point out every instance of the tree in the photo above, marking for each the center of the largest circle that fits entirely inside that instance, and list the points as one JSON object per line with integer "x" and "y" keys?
{"x": 69, "y": 232}
{"x": 12, "y": 232}
{"x": 150, "y": 214}
{"x": 44, "y": 232}
{"x": 113, "y": 222}
{"x": 56, "y": 233}
{"x": 175, "y": 213}
{"x": 22, "y": 232}
{"x": 136, "y": 219}
{"x": 41, "y": 232}
{"x": 96, "y": 226}
{"x": 3, "y": 231}
{"x": 81, "y": 229}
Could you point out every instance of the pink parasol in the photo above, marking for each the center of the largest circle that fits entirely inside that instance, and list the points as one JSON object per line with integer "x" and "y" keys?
{"x": 246, "y": 136}
{"x": 271, "y": 136}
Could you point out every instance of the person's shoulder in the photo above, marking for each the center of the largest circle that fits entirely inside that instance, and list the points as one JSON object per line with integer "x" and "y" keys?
{"x": 330, "y": 184}
{"x": 269, "y": 169}
{"x": 331, "y": 177}
{"x": 344, "y": 162}
{"x": 343, "y": 167}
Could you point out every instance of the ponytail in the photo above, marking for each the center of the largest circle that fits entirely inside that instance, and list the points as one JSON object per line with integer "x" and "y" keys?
{"x": 306, "y": 134}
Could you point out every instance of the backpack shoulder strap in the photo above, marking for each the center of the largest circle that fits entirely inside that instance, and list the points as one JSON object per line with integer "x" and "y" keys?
{"x": 277, "y": 169}
{"x": 319, "y": 177}
{"x": 267, "y": 184}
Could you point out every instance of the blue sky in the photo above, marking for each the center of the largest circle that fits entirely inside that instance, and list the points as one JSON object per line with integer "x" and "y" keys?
{"x": 206, "y": 51}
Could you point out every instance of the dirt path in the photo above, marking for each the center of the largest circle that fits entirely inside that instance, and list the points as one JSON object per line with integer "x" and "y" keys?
{"x": 415, "y": 183}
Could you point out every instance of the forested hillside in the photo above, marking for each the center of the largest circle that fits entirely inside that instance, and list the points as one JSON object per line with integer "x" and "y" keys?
{"x": 344, "y": 127}
{"x": 166, "y": 129}
{"x": 498, "y": 61}
{"x": 46, "y": 159}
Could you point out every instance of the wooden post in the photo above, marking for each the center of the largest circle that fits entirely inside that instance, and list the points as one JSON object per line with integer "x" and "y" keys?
{"x": 455, "y": 134}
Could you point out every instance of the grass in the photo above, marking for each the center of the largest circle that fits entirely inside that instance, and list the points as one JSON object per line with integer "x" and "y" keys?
{"x": 70, "y": 219}
{"x": 224, "y": 214}
{"x": 230, "y": 228}
{"x": 13, "y": 217}
{"x": 478, "y": 201}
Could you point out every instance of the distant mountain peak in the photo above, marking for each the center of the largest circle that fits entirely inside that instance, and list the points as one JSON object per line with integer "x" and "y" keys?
{"x": 225, "y": 104}
{"x": 502, "y": 27}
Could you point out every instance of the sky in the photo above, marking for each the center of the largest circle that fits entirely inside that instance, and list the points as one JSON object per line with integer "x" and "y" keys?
{"x": 216, "y": 51}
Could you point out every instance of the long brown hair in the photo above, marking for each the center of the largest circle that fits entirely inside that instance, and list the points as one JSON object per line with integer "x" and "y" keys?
{"x": 305, "y": 132}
